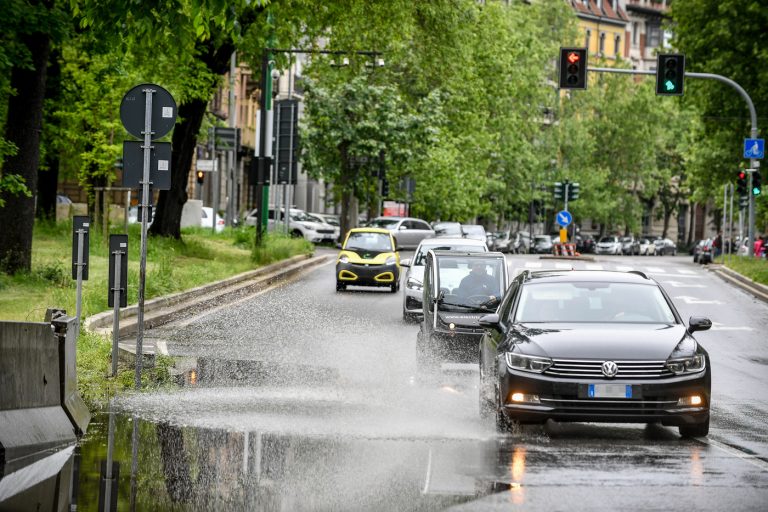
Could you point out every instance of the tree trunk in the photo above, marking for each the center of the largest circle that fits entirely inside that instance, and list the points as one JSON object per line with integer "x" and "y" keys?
{"x": 22, "y": 128}
{"x": 48, "y": 179}
{"x": 167, "y": 216}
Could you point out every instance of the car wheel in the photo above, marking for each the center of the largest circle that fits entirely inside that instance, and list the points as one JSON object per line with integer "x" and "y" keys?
{"x": 296, "y": 233}
{"x": 502, "y": 424}
{"x": 340, "y": 287}
{"x": 695, "y": 430}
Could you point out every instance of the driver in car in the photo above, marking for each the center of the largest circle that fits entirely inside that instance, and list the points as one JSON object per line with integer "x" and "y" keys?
{"x": 478, "y": 282}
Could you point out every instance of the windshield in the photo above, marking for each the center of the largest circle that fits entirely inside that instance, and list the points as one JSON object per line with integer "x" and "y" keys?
{"x": 421, "y": 254}
{"x": 542, "y": 239}
{"x": 469, "y": 283}
{"x": 608, "y": 240}
{"x": 377, "y": 242}
{"x": 473, "y": 230}
{"x": 383, "y": 223}
{"x": 448, "y": 228}
{"x": 299, "y": 216}
{"x": 626, "y": 239}
{"x": 593, "y": 302}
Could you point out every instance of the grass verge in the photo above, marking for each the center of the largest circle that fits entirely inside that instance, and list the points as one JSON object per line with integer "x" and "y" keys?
{"x": 753, "y": 268}
{"x": 200, "y": 257}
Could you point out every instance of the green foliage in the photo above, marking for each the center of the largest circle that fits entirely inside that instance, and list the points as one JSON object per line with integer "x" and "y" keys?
{"x": 12, "y": 184}
{"x": 751, "y": 267}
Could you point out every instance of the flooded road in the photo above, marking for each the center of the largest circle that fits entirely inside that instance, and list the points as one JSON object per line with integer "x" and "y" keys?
{"x": 301, "y": 398}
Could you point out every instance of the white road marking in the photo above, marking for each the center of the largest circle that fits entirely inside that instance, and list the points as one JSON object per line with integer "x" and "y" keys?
{"x": 623, "y": 268}
{"x": 717, "y": 326}
{"x": 654, "y": 270}
{"x": 686, "y": 271}
{"x": 678, "y": 284}
{"x": 694, "y": 300}
{"x": 563, "y": 266}
{"x": 593, "y": 266}
{"x": 532, "y": 264}
{"x": 730, "y": 450}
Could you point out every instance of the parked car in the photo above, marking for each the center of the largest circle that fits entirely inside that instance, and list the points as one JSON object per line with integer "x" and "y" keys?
{"x": 449, "y": 229}
{"x": 608, "y": 245}
{"x": 665, "y": 246}
{"x": 585, "y": 243}
{"x": 542, "y": 244}
{"x": 521, "y": 244}
{"x": 502, "y": 241}
{"x": 414, "y": 275}
{"x": 408, "y": 231}
{"x": 299, "y": 225}
{"x": 702, "y": 251}
{"x": 206, "y": 219}
{"x": 331, "y": 220}
{"x": 459, "y": 288}
{"x": 647, "y": 247}
{"x": 368, "y": 257}
{"x": 597, "y": 346}
{"x": 475, "y": 231}
{"x": 630, "y": 246}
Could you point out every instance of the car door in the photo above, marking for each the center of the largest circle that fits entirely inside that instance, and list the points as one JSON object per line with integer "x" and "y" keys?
{"x": 421, "y": 230}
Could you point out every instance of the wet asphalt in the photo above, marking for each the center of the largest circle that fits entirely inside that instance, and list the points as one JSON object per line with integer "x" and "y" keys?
{"x": 302, "y": 398}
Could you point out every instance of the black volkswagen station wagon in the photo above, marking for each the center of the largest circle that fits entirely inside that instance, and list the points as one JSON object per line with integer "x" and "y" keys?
{"x": 593, "y": 346}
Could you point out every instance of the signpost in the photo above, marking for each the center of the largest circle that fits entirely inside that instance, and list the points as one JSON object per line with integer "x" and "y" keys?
{"x": 80, "y": 250}
{"x": 118, "y": 282}
{"x": 564, "y": 218}
{"x": 754, "y": 148}
{"x": 148, "y": 112}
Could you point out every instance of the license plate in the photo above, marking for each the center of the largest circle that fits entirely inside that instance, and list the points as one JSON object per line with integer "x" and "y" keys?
{"x": 610, "y": 391}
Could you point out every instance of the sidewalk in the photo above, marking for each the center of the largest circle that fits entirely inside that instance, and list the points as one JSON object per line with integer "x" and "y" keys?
{"x": 162, "y": 310}
{"x": 760, "y": 291}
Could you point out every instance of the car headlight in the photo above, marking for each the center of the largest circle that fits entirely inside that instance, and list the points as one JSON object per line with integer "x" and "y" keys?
{"x": 391, "y": 260}
{"x": 413, "y": 284}
{"x": 693, "y": 364}
{"x": 528, "y": 363}
{"x": 344, "y": 259}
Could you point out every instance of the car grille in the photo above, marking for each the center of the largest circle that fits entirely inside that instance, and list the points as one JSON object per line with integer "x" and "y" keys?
{"x": 579, "y": 368}
{"x": 609, "y": 406}
{"x": 325, "y": 231}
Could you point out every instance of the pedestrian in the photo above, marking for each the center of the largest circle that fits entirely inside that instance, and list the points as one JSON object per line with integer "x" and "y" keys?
{"x": 759, "y": 246}
{"x": 717, "y": 244}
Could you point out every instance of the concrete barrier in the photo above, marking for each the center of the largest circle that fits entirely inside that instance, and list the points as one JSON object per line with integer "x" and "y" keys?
{"x": 39, "y": 405}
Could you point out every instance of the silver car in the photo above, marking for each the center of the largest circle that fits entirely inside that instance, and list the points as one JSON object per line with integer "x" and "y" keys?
{"x": 414, "y": 276}
{"x": 608, "y": 245}
{"x": 408, "y": 232}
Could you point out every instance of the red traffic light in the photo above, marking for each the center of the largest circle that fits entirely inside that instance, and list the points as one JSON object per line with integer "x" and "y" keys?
{"x": 742, "y": 175}
{"x": 573, "y": 57}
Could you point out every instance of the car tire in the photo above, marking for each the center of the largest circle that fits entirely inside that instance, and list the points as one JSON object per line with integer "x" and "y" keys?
{"x": 501, "y": 421}
{"x": 695, "y": 430}
{"x": 296, "y": 234}
{"x": 340, "y": 287}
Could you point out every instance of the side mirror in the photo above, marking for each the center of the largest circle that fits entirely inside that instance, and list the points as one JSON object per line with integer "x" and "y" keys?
{"x": 491, "y": 321}
{"x": 699, "y": 323}
{"x": 405, "y": 262}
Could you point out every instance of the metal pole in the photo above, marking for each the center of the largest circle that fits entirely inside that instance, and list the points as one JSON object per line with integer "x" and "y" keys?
{"x": 232, "y": 122}
{"x": 116, "y": 311}
{"x": 134, "y": 460}
{"x": 730, "y": 223}
{"x": 80, "y": 264}
{"x": 145, "y": 191}
{"x": 290, "y": 161}
{"x": 110, "y": 450}
{"x": 216, "y": 182}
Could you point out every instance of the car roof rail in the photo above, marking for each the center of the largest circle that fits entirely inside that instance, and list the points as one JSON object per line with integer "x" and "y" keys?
{"x": 638, "y": 272}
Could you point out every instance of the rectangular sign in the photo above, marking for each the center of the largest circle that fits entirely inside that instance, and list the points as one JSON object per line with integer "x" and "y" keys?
{"x": 207, "y": 165}
{"x": 118, "y": 244}
{"x": 754, "y": 148}
{"x": 286, "y": 141}
{"x": 159, "y": 164}
{"x": 80, "y": 222}
{"x": 226, "y": 138}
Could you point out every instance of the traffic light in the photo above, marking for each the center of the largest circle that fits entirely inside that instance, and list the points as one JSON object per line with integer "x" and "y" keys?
{"x": 200, "y": 177}
{"x": 384, "y": 188}
{"x": 670, "y": 74}
{"x": 573, "y": 191}
{"x": 559, "y": 190}
{"x": 573, "y": 68}
{"x": 757, "y": 183}
{"x": 741, "y": 183}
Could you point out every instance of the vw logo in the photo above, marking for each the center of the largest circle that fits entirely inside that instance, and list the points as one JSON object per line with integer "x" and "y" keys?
{"x": 610, "y": 369}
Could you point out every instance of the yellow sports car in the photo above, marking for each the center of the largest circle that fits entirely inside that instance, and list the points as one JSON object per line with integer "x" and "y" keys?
{"x": 368, "y": 257}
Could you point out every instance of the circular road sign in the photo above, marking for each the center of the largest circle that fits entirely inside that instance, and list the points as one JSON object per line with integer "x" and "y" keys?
{"x": 564, "y": 218}
{"x": 163, "y": 111}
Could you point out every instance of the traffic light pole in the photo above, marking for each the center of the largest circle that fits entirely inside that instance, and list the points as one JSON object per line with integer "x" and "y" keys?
{"x": 753, "y": 163}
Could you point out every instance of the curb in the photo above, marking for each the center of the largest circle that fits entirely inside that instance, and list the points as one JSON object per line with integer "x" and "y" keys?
{"x": 577, "y": 258}
{"x": 760, "y": 291}
{"x": 162, "y": 310}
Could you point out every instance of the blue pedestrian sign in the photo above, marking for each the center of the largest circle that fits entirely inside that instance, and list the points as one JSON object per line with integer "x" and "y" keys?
{"x": 564, "y": 218}
{"x": 754, "y": 148}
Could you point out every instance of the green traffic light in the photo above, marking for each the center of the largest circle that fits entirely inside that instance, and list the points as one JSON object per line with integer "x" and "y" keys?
{"x": 669, "y": 85}
{"x": 756, "y": 191}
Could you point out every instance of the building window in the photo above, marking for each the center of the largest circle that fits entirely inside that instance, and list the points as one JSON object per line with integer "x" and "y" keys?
{"x": 601, "y": 50}
{"x": 589, "y": 36}
{"x": 635, "y": 30}
{"x": 617, "y": 46}
{"x": 652, "y": 35}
